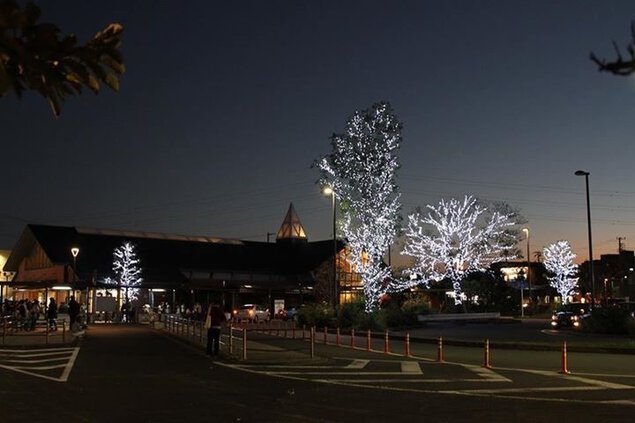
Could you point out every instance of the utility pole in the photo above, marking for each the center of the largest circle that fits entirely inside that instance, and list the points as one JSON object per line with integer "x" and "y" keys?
{"x": 619, "y": 243}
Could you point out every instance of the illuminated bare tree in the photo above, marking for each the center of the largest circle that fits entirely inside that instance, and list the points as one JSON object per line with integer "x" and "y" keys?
{"x": 558, "y": 260}
{"x": 457, "y": 238}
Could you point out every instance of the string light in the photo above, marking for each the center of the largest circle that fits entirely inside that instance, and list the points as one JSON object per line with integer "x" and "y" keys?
{"x": 457, "y": 238}
{"x": 558, "y": 260}
{"x": 125, "y": 266}
{"x": 361, "y": 170}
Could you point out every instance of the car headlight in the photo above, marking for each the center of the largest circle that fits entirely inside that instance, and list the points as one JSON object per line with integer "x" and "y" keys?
{"x": 554, "y": 323}
{"x": 554, "y": 317}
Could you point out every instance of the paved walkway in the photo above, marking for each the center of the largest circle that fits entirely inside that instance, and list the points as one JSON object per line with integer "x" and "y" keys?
{"x": 38, "y": 337}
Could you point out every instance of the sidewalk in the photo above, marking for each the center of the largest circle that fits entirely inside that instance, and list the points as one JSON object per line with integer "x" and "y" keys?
{"x": 39, "y": 338}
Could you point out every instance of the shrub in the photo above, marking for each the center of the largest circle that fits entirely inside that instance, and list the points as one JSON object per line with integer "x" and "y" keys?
{"x": 351, "y": 315}
{"x": 612, "y": 320}
{"x": 318, "y": 315}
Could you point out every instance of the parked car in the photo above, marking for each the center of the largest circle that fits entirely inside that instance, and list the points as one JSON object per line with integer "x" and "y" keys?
{"x": 570, "y": 316}
{"x": 251, "y": 313}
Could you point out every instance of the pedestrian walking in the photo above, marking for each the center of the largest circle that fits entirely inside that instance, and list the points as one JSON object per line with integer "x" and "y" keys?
{"x": 51, "y": 314}
{"x": 73, "y": 312}
{"x": 213, "y": 323}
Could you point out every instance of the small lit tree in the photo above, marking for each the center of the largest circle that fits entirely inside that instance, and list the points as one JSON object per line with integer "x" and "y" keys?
{"x": 558, "y": 260}
{"x": 127, "y": 270}
{"x": 458, "y": 238}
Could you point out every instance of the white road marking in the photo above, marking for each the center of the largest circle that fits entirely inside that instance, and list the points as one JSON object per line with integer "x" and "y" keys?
{"x": 486, "y": 374}
{"x": 70, "y": 356}
{"x": 411, "y": 367}
{"x": 422, "y": 381}
{"x": 358, "y": 364}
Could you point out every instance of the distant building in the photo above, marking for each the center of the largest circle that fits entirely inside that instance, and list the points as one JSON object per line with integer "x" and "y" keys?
{"x": 179, "y": 270}
{"x": 515, "y": 273}
{"x": 614, "y": 276}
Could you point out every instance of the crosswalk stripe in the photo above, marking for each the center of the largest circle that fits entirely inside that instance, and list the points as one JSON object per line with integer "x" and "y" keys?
{"x": 411, "y": 367}
{"x": 16, "y": 360}
{"x": 358, "y": 364}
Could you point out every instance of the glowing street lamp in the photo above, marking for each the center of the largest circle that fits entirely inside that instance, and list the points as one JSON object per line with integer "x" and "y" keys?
{"x": 588, "y": 214}
{"x": 74, "y": 252}
{"x": 331, "y": 192}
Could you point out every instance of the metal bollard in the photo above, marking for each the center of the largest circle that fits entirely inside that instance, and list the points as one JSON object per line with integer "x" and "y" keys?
{"x": 325, "y": 335}
{"x": 231, "y": 339}
{"x": 337, "y": 337}
{"x": 353, "y": 338}
{"x": 440, "y": 350}
{"x": 407, "y": 348}
{"x": 368, "y": 340}
{"x": 244, "y": 343}
{"x": 386, "y": 343}
{"x": 312, "y": 342}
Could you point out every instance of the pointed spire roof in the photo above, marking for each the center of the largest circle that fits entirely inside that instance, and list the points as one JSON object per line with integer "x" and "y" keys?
{"x": 291, "y": 228}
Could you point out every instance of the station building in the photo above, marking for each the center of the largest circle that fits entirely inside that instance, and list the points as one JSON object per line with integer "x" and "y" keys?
{"x": 180, "y": 270}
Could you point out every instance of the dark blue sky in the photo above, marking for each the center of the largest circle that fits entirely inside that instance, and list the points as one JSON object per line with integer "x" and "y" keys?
{"x": 225, "y": 105}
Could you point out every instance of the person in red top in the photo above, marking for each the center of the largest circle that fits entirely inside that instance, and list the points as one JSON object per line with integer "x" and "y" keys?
{"x": 213, "y": 322}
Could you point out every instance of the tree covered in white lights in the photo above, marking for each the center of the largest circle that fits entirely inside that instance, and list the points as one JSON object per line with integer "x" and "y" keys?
{"x": 558, "y": 260}
{"x": 361, "y": 170}
{"x": 127, "y": 270}
{"x": 457, "y": 238}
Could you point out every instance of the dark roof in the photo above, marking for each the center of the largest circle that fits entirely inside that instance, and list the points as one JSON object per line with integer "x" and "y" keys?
{"x": 173, "y": 259}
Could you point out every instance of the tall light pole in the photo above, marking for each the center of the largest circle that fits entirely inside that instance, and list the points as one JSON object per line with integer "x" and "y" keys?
{"x": 588, "y": 214}
{"x": 335, "y": 293}
{"x": 74, "y": 252}
{"x": 526, "y": 231}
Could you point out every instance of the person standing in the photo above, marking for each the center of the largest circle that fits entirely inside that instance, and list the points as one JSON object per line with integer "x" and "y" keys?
{"x": 73, "y": 312}
{"x": 213, "y": 322}
{"x": 35, "y": 314}
{"x": 51, "y": 314}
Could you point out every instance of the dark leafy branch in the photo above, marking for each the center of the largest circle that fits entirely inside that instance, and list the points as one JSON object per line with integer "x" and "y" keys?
{"x": 34, "y": 56}
{"x": 619, "y": 66}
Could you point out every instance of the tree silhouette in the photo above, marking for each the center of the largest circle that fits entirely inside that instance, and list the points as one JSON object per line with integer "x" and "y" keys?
{"x": 33, "y": 56}
{"x": 619, "y": 66}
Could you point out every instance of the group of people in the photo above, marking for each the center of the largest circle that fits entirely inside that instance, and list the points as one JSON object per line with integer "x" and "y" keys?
{"x": 26, "y": 312}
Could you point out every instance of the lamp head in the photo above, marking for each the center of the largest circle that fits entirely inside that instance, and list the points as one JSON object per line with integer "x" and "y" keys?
{"x": 526, "y": 231}
{"x": 581, "y": 173}
{"x": 74, "y": 251}
{"x": 327, "y": 191}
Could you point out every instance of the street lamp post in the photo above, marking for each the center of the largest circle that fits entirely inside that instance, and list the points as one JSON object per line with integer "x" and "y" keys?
{"x": 588, "y": 214}
{"x": 526, "y": 231}
{"x": 74, "y": 252}
{"x": 331, "y": 192}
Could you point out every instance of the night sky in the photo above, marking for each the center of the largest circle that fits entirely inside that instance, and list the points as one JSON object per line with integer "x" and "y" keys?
{"x": 225, "y": 105}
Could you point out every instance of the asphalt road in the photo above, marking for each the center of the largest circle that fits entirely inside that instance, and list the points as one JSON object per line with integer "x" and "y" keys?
{"x": 135, "y": 373}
